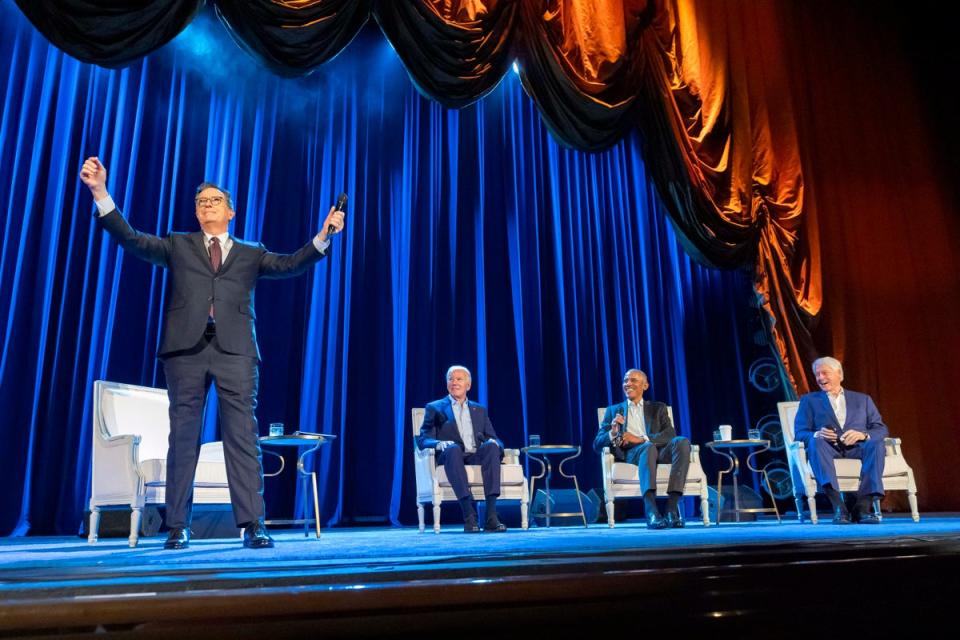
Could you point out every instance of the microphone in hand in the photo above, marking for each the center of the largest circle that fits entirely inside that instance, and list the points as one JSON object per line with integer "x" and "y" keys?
{"x": 341, "y": 206}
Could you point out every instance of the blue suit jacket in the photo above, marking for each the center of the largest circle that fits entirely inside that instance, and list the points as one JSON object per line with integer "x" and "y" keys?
{"x": 439, "y": 424}
{"x": 815, "y": 412}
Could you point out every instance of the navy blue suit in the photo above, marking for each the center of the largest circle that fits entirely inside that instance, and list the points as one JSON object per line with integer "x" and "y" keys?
{"x": 815, "y": 412}
{"x": 194, "y": 357}
{"x": 439, "y": 425}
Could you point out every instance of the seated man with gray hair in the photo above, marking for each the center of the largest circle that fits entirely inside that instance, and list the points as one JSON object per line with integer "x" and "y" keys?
{"x": 461, "y": 432}
{"x": 838, "y": 423}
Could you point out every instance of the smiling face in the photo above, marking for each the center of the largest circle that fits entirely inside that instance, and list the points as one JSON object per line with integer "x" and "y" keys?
{"x": 213, "y": 211}
{"x": 634, "y": 384}
{"x": 828, "y": 377}
{"x": 458, "y": 383}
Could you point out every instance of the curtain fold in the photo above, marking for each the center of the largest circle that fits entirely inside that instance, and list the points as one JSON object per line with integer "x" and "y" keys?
{"x": 455, "y": 51}
{"x": 293, "y": 37}
{"x": 110, "y": 34}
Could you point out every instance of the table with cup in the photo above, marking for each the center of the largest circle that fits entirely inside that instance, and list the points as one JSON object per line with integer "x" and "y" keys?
{"x": 725, "y": 445}
{"x": 307, "y": 443}
{"x": 541, "y": 453}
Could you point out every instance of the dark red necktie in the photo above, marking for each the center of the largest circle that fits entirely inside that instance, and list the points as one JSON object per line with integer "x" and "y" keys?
{"x": 216, "y": 259}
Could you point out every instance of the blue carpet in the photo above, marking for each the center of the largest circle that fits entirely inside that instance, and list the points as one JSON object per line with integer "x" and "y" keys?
{"x": 363, "y": 547}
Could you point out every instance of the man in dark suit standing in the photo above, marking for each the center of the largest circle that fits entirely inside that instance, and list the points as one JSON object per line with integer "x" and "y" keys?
{"x": 642, "y": 433}
{"x": 208, "y": 336}
{"x": 837, "y": 423}
{"x": 461, "y": 432}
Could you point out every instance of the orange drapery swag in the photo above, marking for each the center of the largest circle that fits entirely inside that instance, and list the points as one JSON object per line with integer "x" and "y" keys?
{"x": 704, "y": 81}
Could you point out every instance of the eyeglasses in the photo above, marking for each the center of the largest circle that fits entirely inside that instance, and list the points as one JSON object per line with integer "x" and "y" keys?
{"x": 213, "y": 202}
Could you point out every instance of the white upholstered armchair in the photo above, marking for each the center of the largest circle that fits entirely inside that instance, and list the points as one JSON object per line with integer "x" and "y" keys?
{"x": 897, "y": 474}
{"x": 130, "y": 432}
{"x": 433, "y": 486}
{"x": 622, "y": 479}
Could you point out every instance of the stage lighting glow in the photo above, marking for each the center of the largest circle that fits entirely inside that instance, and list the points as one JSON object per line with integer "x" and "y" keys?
{"x": 516, "y": 67}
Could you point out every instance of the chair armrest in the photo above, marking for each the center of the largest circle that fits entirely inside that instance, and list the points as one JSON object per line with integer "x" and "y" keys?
{"x": 123, "y": 440}
{"x": 694, "y": 454}
{"x": 511, "y": 456}
{"x": 797, "y": 445}
{"x": 425, "y": 468}
{"x": 606, "y": 466}
{"x": 892, "y": 441}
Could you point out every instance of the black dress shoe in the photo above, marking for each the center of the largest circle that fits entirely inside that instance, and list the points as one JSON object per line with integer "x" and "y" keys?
{"x": 255, "y": 536}
{"x": 867, "y": 517}
{"x": 494, "y": 527}
{"x": 841, "y": 515}
{"x": 178, "y": 538}
{"x": 656, "y": 521}
{"x": 674, "y": 520}
{"x": 470, "y": 526}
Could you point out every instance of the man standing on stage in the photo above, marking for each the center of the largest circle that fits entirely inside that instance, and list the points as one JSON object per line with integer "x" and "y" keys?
{"x": 461, "y": 433}
{"x": 838, "y": 423}
{"x": 642, "y": 433}
{"x": 208, "y": 335}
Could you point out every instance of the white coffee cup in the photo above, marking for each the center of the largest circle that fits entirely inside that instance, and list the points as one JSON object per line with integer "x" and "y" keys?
{"x": 726, "y": 432}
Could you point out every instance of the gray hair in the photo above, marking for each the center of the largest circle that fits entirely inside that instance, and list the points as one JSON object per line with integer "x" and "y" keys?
{"x": 629, "y": 371}
{"x": 214, "y": 185}
{"x": 459, "y": 367}
{"x": 833, "y": 363}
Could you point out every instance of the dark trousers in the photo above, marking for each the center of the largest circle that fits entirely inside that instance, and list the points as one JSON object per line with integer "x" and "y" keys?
{"x": 871, "y": 454}
{"x": 647, "y": 455}
{"x": 487, "y": 455}
{"x": 189, "y": 376}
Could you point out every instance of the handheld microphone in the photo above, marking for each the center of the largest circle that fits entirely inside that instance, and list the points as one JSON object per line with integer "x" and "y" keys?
{"x": 340, "y": 206}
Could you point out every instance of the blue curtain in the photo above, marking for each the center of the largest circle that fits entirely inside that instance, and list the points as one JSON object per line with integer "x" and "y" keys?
{"x": 472, "y": 237}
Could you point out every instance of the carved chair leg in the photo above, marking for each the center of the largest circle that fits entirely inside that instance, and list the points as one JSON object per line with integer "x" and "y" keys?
{"x": 136, "y": 513}
{"x": 436, "y": 517}
{"x": 94, "y": 525}
{"x": 420, "y": 521}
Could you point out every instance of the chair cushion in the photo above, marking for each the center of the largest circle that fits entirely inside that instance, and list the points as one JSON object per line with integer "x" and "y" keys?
{"x": 510, "y": 474}
{"x": 210, "y": 473}
{"x": 847, "y": 468}
{"x": 626, "y": 473}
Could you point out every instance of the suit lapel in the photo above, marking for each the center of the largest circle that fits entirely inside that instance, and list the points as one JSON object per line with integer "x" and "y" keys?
{"x": 234, "y": 249}
{"x": 197, "y": 240}
{"x": 829, "y": 409}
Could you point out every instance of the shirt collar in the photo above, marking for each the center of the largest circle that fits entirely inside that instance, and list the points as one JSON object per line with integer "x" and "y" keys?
{"x": 222, "y": 236}
{"x": 453, "y": 401}
{"x": 639, "y": 405}
{"x": 838, "y": 396}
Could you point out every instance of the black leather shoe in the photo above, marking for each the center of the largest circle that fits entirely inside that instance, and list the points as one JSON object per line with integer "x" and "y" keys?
{"x": 494, "y": 527}
{"x": 178, "y": 538}
{"x": 841, "y": 515}
{"x": 868, "y": 518}
{"x": 255, "y": 536}
{"x": 471, "y": 526}
{"x": 674, "y": 520}
{"x": 656, "y": 521}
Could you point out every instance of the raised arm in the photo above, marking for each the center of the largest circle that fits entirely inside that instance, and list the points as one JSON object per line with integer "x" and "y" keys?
{"x": 286, "y": 265}
{"x": 143, "y": 245}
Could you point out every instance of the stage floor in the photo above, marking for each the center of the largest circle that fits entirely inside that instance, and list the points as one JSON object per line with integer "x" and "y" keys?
{"x": 391, "y": 581}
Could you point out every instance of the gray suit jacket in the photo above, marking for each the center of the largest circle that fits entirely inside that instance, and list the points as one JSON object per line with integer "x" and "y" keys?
{"x": 192, "y": 284}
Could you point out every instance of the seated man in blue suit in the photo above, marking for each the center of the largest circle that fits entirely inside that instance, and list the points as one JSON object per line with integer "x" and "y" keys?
{"x": 838, "y": 423}
{"x": 461, "y": 432}
{"x": 642, "y": 433}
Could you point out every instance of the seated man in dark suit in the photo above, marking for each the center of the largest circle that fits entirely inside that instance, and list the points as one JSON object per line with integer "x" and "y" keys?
{"x": 642, "y": 433}
{"x": 461, "y": 432}
{"x": 838, "y": 423}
